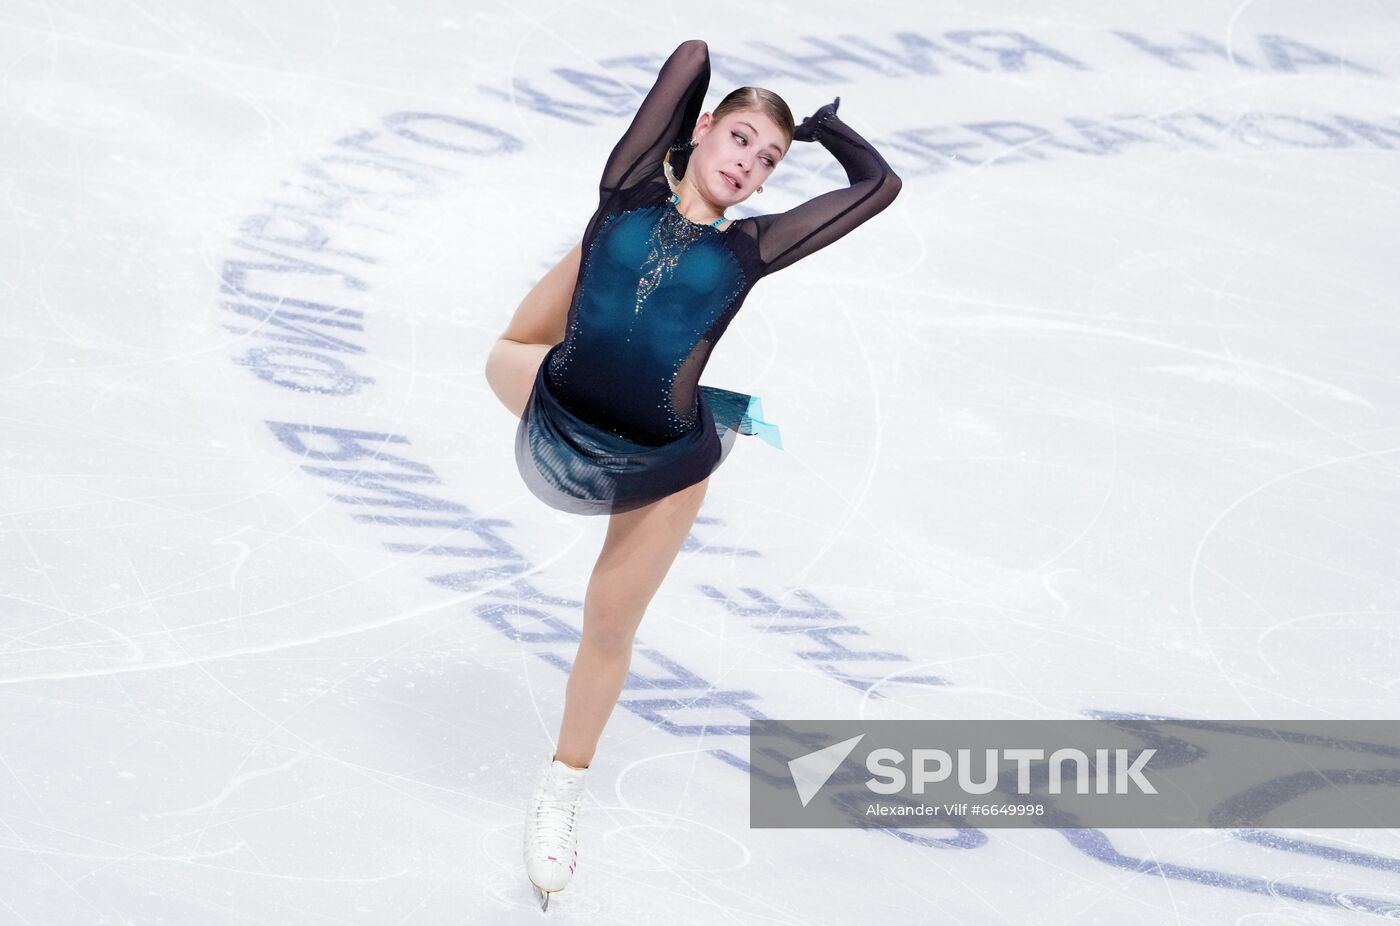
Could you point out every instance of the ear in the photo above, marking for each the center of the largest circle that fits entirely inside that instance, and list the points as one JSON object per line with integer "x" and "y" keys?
{"x": 702, "y": 125}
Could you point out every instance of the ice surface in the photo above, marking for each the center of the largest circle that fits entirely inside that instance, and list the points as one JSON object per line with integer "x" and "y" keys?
{"x": 1096, "y": 417}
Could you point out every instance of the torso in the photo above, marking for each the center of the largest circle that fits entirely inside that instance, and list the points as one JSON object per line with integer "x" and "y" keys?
{"x": 655, "y": 292}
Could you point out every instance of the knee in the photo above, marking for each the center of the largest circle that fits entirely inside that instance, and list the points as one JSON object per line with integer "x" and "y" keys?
{"x": 494, "y": 359}
{"x": 609, "y": 630}
{"x": 502, "y": 376}
{"x": 611, "y": 641}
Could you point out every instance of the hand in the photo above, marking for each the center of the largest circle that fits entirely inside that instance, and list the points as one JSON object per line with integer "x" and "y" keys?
{"x": 810, "y": 126}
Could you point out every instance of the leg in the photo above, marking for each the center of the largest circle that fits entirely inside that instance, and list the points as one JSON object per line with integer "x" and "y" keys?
{"x": 510, "y": 370}
{"x": 637, "y": 553}
{"x": 537, "y": 324}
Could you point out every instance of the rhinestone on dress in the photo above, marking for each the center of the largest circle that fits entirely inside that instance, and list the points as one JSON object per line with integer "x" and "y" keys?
{"x": 670, "y": 237}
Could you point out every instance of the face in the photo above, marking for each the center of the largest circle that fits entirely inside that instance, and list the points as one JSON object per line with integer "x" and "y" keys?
{"x": 746, "y": 145}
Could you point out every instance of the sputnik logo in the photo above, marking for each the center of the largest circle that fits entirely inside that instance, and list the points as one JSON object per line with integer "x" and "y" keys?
{"x": 815, "y": 769}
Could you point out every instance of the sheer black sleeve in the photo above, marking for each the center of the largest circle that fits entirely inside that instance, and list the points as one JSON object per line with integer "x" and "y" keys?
{"x": 786, "y": 237}
{"x": 666, "y": 116}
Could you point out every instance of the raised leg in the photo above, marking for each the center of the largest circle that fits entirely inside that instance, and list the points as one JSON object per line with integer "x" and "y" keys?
{"x": 510, "y": 370}
{"x": 538, "y": 323}
{"x": 637, "y": 553}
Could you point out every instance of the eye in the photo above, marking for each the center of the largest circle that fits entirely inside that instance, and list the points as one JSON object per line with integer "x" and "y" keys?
{"x": 767, "y": 160}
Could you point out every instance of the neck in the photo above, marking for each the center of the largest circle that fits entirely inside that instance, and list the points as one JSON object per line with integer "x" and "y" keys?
{"x": 693, "y": 204}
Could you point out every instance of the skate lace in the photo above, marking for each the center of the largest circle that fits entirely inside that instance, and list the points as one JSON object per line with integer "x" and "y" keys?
{"x": 554, "y": 820}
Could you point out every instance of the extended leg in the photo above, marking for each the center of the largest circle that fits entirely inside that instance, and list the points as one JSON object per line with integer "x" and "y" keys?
{"x": 637, "y": 553}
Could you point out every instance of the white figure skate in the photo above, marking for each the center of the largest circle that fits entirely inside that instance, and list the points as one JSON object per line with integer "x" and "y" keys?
{"x": 551, "y": 835}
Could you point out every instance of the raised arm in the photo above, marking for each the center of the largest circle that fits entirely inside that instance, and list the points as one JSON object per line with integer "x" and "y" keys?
{"x": 666, "y": 115}
{"x": 786, "y": 237}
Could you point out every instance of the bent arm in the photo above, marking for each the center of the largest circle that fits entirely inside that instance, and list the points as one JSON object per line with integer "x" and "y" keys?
{"x": 787, "y": 237}
{"x": 667, "y": 115}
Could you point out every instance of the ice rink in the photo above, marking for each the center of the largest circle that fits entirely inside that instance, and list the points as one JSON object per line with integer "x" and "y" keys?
{"x": 1095, "y": 418}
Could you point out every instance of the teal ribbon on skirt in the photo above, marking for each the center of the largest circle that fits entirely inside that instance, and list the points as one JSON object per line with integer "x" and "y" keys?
{"x": 741, "y": 412}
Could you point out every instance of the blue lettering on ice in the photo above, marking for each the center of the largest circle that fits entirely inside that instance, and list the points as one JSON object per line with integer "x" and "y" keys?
{"x": 1004, "y": 142}
{"x": 306, "y": 343}
{"x": 1280, "y": 52}
{"x": 1096, "y": 844}
{"x": 819, "y": 622}
{"x": 691, "y": 544}
{"x": 612, "y": 94}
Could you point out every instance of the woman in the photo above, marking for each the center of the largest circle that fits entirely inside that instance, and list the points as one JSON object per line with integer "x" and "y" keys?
{"x": 602, "y": 361}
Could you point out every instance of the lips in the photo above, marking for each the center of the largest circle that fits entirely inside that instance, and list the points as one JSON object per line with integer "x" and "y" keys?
{"x": 732, "y": 180}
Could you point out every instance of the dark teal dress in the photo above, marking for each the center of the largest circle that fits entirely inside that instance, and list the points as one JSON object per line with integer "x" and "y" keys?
{"x": 617, "y": 417}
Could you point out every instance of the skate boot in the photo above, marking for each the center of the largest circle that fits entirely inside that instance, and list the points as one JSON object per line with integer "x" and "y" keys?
{"x": 551, "y": 835}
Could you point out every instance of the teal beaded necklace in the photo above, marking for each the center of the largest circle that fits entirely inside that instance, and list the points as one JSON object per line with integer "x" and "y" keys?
{"x": 675, "y": 199}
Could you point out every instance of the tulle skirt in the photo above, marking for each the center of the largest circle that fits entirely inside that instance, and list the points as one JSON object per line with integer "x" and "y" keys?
{"x": 581, "y": 468}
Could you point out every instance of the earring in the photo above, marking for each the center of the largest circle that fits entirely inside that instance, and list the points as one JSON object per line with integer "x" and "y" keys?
{"x": 760, "y": 189}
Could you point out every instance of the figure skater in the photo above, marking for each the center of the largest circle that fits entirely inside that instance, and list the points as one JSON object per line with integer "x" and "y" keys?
{"x": 602, "y": 360}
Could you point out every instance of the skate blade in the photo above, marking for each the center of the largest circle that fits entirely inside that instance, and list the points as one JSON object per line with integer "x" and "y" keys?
{"x": 541, "y": 896}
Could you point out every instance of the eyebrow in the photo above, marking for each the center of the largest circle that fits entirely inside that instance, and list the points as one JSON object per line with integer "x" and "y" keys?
{"x": 770, "y": 144}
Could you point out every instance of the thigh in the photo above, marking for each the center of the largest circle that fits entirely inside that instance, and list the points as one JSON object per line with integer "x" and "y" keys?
{"x": 538, "y": 323}
{"x": 543, "y": 314}
{"x": 638, "y": 551}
